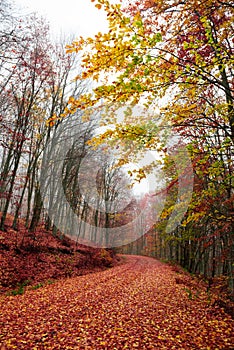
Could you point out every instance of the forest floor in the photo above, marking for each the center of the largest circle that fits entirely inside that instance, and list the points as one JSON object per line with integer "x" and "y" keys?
{"x": 139, "y": 304}
{"x": 32, "y": 260}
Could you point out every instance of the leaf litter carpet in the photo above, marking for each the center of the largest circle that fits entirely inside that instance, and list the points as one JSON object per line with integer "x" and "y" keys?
{"x": 141, "y": 304}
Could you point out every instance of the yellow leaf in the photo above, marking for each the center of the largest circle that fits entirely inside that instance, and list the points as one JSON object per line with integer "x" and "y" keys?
{"x": 194, "y": 105}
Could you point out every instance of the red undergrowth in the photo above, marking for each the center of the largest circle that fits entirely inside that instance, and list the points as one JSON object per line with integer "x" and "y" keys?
{"x": 32, "y": 259}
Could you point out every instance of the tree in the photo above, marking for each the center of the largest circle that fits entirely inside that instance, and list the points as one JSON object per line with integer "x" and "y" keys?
{"x": 184, "y": 50}
{"x": 36, "y": 78}
{"x": 25, "y": 91}
{"x": 95, "y": 189}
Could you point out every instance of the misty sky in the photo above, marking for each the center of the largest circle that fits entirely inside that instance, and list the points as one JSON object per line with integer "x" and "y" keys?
{"x": 72, "y": 17}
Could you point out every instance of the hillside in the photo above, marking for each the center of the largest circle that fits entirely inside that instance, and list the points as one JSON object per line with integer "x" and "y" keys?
{"x": 35, "y": 259}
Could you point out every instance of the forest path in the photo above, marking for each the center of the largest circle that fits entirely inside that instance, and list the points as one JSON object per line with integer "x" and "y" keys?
{"x": 141, "y": 304}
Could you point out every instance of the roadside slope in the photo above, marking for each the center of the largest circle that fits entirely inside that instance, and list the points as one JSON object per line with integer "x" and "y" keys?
{"x": 41, "y": 257}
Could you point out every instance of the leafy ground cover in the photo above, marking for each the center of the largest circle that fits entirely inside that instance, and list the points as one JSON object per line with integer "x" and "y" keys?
{"x": 141, "y": 304}
{"x": 35, "y": 259}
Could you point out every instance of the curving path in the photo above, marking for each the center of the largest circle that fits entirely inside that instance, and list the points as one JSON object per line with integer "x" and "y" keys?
{"x": 141, "y": 304}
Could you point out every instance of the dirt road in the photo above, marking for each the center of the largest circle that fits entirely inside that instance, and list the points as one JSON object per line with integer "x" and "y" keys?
{"x": 141, "y": 304}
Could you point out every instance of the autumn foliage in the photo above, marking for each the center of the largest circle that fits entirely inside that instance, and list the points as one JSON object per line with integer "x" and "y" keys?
{"x": 176, "y": 57}
{"x": 173, "y": 61}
